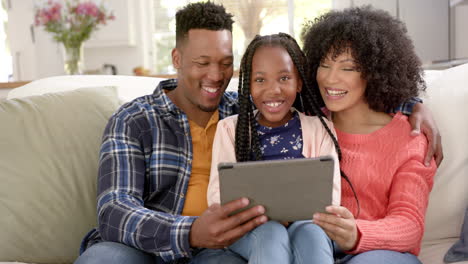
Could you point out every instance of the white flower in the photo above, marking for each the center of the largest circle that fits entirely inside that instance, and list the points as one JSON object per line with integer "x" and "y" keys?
{"x": 297, "y": 144}
{"x": 274, "y": 140}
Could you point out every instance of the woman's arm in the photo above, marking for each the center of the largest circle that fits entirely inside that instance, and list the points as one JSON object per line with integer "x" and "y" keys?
{"x": 402, "y": 227}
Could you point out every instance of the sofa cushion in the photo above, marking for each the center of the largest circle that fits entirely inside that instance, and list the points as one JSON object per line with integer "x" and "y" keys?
{"x": 434, "y": 253}
{"x": 49, "y": 148}
{"x": 447, "y": 97}
{"x": 459, "y": 251}
{"x": 128, "y": 87}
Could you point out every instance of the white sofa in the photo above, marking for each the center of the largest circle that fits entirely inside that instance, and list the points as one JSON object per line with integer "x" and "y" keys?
{"x": 49, "y": 147}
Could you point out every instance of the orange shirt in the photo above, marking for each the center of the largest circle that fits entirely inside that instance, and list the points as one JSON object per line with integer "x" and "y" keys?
{"x": 202, "y": 143}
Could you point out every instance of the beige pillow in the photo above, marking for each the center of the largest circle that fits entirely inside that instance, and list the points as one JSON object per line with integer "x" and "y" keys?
{"x": 447, "y": 97}
{"x": 49, "y": 147}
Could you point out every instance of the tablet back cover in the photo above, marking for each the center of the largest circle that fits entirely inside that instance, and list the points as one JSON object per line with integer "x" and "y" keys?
{"x": 290, "y": 190}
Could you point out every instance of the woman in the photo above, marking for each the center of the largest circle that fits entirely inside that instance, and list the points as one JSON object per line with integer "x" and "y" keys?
{"x": 364, "y": 65}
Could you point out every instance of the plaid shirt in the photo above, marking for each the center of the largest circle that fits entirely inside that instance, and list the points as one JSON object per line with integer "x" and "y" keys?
{"x": 144, "y": 170}
{"x": 145, "y": 166}
{"x": 406, "y": 108}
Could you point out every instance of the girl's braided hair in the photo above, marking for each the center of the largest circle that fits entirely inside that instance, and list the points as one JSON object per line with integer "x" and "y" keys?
{"x": 247, "y": 141}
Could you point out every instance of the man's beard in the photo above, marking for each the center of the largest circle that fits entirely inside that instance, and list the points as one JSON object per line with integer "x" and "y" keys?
{"x": 208, "y": 109}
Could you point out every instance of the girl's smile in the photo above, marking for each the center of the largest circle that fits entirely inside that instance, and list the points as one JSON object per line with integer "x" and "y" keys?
{"x": 275, "y": 83}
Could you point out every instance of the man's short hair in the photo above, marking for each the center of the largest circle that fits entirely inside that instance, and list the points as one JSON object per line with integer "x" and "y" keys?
{"x": 205, "y": 15}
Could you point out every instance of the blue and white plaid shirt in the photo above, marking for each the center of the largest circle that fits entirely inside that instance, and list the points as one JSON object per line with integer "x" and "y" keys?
{"x": 144, "y": 170}
{"x": 406, "y": 108}
{"x": 145, "y": 166}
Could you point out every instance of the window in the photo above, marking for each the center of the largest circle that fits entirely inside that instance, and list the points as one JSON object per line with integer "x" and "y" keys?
{"x": 251, "y": 18}
{"x": 6, "y": 64}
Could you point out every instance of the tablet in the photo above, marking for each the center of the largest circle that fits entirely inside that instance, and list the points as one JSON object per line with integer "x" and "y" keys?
{"x": 290, "y": 190}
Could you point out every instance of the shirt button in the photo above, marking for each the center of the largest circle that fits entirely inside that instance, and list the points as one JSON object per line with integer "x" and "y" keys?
{"x": 182, "y": 195}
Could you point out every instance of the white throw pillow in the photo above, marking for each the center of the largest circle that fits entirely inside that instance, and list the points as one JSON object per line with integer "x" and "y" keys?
{"x": 128, "y": 87}
{"x": 447, "y": 97}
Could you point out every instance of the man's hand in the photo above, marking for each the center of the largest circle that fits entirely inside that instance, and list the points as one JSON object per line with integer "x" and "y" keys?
{"x": 421, "y": 120}
{"x": 339, "y": 225}
{"x": 216, "y": 229}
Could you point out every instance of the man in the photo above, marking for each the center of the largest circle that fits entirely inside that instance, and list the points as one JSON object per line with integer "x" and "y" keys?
{"x": 156, "y": 156}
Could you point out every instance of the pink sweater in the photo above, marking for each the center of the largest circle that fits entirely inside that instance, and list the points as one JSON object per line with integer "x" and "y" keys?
{"x": 387, "y": 171}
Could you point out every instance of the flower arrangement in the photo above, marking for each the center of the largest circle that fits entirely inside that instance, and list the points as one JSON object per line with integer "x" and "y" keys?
{"x": 71, "y": 22}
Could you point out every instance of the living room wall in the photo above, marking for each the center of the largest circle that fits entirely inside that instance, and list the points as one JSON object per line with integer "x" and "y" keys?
{"x": 126, "y": 42}
{"x": 121, "y": 43}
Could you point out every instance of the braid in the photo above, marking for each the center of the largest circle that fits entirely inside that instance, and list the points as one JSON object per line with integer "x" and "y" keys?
{"x": 247, "y": 141}
{"x": 311, "y": 105}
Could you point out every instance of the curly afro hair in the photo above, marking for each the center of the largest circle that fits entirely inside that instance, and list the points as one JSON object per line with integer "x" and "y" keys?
{"x": 380, "y": 47}
{"x": 204, "y": 15}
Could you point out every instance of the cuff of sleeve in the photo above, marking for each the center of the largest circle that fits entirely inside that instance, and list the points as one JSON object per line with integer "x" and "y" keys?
{"x": 180, "y": 236}
{"x": 410, "y": 105}
{"x": 417, "y": 100}
{"x": 367, "y": 238}
{"x": 407, "y": 107}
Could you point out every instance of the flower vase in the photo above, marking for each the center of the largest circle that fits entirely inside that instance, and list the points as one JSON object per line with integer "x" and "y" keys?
{"x": 73, "y": 58}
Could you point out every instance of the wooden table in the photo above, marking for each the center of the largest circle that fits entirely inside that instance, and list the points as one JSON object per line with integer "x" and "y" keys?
{"x": 6, "y": 87}
{"x": 11, "y": 85}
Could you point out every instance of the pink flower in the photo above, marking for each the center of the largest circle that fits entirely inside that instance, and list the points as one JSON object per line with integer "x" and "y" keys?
{"x": 71, "y": 22}
{"x": 51, "y": 13}
{"x": 87, "y": 8}
{"x": 55, "y": 12}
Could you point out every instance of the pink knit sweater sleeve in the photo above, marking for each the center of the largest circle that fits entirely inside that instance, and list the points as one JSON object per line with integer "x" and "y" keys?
{"x": 223, "y": 151}
{"x": 403, "y": 226}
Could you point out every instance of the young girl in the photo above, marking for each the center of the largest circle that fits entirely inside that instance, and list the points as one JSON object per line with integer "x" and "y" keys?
{"x": 273, "y": 77}
{"x": 364, "y": 64}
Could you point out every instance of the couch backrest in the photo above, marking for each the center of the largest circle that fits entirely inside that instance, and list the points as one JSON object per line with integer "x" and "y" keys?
{"x": 47, "y": 199}
{"x": 128, "y": 87}
{"x": 447, "y": 97}
{"x": 49, "y": 152}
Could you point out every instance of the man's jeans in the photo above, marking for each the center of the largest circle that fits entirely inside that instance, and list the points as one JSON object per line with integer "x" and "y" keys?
{"x": 116, "y": 253}
{"x": 268, "y": 243}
